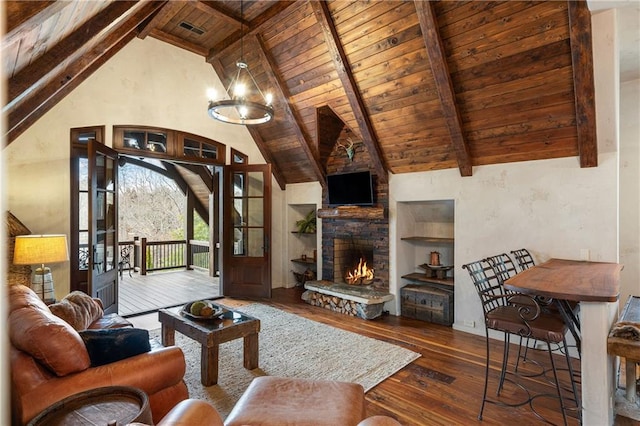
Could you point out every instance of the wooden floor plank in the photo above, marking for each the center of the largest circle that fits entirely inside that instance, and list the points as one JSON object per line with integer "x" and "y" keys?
{"x": 442, "y": 387}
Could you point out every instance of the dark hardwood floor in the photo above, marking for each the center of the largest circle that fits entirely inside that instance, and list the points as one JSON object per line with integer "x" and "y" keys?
{"x": 442, "y": 387}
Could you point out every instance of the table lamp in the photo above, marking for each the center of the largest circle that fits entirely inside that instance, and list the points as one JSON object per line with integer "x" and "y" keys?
{"x": 41, "y": 249}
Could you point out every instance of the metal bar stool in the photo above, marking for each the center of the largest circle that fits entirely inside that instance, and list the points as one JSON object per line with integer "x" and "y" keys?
{"x": 520, "y": 315}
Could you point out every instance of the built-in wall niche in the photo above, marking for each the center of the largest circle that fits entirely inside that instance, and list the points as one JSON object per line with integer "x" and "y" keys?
{"x": 428, "y": 226}
{"x": 302, "y": 244}
{"x": 425, "y": 259}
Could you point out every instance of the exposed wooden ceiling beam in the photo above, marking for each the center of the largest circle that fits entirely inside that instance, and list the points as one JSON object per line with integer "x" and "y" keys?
{"x": 178, "y": 42}
{"x": 179, "y": 180}
{"x": 266, "y": 153}
{"x": 292, "y": 117}
{"x": 583, "y": 82}
{"x": 27, "y": 15}
{"x": 369, "y": 138}
{"x": 267, "y": 15}
{"x": 444, "y": 85}
{"x": 21, "y": 116}
{"x": 216, "y": 50}
{"x": 160, "y": 19}
{"x": 37, "y": 73}
{"x": 255, "y": 135}
{"x": 252, "y": 28}
{"x": 202, "y": 171}
{"x": 218, "y": 11}
{"x": 28, "y": 112}
{"x": 156, "y": 169}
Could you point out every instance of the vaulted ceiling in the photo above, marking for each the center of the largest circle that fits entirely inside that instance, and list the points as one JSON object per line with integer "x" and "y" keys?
{"x": 420, "y": 85}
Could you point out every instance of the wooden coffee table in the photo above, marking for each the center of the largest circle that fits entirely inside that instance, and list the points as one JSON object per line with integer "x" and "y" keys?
{"x": 211, "y": 333}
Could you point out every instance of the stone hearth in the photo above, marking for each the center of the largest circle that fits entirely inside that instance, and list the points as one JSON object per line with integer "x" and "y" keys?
{"x": 361, "y": 301}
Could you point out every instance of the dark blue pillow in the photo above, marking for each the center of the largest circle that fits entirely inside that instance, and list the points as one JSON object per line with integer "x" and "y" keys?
{"x": 110, "y": 345}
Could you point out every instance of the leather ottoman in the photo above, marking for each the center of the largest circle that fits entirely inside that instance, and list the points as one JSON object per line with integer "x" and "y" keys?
{"x": 283, "y": 401}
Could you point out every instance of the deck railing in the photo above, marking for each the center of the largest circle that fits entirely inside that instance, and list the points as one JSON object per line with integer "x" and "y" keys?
{"x": 147, "y": 256}
{"x": 199, "y": 254}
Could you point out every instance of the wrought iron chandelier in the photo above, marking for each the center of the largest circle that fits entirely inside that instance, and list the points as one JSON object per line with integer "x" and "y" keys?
{"x": 245, "y": 104}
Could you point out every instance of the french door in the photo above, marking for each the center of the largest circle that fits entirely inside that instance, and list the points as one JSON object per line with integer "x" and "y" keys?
{"x": 103, "y": 225}
{"x": 247, "y": 231}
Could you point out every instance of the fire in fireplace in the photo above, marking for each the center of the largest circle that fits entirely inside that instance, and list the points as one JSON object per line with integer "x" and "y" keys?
{"x": 352, "y": 261}
{"x": 361, "y": 275}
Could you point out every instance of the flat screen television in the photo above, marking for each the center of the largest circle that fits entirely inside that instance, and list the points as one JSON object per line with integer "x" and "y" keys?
{"x": 350, "y": 189}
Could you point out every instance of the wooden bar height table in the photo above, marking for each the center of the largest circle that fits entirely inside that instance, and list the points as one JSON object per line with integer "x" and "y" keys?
{"x": 210, "y": 333}
{"x": 596, "y": 286}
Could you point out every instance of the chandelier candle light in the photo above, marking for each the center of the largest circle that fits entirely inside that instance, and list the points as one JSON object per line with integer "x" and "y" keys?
{"x": 41, "y": 249}
{"x": 239, "y": 108}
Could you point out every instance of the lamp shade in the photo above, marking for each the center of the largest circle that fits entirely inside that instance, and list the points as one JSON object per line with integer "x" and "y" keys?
{"x": 42, "y": 249}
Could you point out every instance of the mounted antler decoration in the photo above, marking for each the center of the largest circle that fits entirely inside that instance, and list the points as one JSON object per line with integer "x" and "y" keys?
{"x": 349, "y": 149}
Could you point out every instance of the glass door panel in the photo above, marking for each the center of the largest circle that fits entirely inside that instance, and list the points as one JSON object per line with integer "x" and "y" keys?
{"x": 247, "y": 268}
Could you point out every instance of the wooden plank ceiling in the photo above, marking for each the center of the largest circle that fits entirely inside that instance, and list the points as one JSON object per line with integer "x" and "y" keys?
{"x": 420, "y": 85}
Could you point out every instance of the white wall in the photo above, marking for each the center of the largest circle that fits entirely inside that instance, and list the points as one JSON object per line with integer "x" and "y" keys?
{"x": 137, "y": 86}
{"x": 551, "y": 207}
{"x": 630, "y": 189}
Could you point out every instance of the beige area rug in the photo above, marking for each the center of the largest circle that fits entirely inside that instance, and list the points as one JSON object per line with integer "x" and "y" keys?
{"x": 292, "y": 346}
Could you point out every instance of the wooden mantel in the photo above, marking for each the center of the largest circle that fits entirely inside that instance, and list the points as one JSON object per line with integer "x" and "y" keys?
{"x": 352, "y": 212}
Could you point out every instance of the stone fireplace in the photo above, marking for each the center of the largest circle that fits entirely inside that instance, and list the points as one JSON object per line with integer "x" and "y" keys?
{"x": 344, "y": 241}
{"x": 351, "y": 232}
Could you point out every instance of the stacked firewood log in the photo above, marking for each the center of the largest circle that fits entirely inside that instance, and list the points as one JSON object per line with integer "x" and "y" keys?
{"x": 334, "y": 303}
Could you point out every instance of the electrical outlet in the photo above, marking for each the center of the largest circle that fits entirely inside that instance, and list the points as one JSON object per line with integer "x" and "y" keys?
{"x": 468, "y": 323}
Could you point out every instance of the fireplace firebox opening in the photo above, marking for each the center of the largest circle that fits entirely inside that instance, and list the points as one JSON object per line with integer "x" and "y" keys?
{"x": 353, "y": 261}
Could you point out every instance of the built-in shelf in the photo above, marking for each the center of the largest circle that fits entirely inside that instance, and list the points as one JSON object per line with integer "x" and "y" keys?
{"x": 306, "y": 261}
{"x": 429, "y": 240}
{"x": 302, "y": 243}
{"x": 447, "y": 283}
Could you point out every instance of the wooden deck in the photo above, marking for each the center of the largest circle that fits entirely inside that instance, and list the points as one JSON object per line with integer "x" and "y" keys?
{"x": 141, "y": 294}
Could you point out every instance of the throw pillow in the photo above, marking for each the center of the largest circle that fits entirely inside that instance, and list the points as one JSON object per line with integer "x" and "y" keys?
{"x": 78, "y": 309}
{"x": 111, "y": 345}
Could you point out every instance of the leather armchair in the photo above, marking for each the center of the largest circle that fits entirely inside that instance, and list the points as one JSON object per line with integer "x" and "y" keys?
{"x": 49, "y": 362}
{"x": 192, "y": 412}
{"x": 275, "y": 401}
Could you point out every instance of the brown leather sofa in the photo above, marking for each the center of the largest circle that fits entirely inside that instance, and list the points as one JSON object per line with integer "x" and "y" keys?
{"x": 49, "y": 362}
